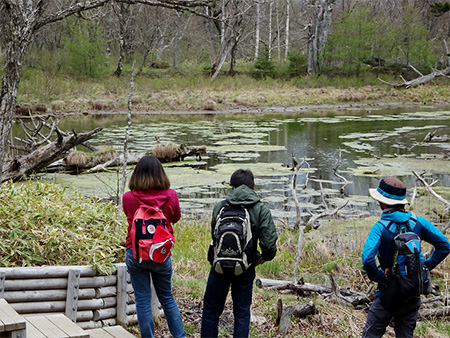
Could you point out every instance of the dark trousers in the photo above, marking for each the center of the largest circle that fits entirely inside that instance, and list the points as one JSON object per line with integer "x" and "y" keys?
{"x": 405, "y": 319}
{"x": 214, "y": 301}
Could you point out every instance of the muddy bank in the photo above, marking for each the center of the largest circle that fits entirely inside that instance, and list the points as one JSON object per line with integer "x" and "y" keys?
{"x": 310, "y": 108}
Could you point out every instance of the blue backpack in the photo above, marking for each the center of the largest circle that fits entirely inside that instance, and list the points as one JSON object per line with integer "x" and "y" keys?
{"x": 408, "y": 277}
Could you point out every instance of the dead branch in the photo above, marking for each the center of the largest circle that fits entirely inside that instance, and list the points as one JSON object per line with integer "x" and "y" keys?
{"x": 296, "y": 167}
{"x": 325, "y": 213}
{"x": 298, "y": 254}
{"x": 428, "y": 187}
{"x": 336, "y": 166}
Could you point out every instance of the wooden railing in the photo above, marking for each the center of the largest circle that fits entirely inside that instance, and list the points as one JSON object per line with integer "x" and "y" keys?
{"x": 87, "y": 298}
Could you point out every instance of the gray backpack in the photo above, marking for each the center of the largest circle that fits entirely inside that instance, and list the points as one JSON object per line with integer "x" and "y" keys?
{"x": 232, "y": 244}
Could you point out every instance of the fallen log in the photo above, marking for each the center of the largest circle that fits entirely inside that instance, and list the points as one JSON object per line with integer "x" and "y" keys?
{"x": 23, "y": 166}
{"x": 433, "y": 313}
{"x": 350, "y": 297}
{"x": 284, "y": 315}
{"x": 421, "y": 79}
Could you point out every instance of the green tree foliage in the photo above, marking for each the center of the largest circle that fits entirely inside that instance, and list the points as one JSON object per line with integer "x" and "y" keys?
{"x": 85, "y": 49}
{"x": 351, "y": 41}
{"x": 440, "y": 8}
{"x": 298, "y": 64}
{"x": 263, "y": 67}
{"x": 411, "y": 39}
{"x": 361, "y": 40}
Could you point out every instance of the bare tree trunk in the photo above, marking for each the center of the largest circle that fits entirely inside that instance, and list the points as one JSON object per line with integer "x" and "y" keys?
{"x": 233, "y": 59}
{"x": 144, "y": 59}
{"x": 278, "y": 35}
{"x": 176, "y": 59}
{"x": 230, "y": 34}
{"x": 270, "y": 29}
{"x": 286, "y": 47}
{"x": 10, "y": 83}
{"x": 318, "y": 33}
{"x": 125, "y": 148}
{"x": 122, "y": 13}
{"x": 257, "y": 28}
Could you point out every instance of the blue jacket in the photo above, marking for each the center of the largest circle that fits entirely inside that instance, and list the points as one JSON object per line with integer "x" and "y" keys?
{"x": 378, "y": 243}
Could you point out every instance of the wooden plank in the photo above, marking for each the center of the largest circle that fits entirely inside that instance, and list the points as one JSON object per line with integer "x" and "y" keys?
{"x": 99, "y": 333}
{"x": 57, "y": 283}
{"x": 32, "y": 332}
{"x": 2, "y": 284}
{"x": 45, "y": 326}
{"x": 122, "y": 295}
{"x": 118, "y": 332}
{"x": 46, "y": 271}
{"x": 70, "y": 328}
{"x": 73, "y": 286}
{"x": 10, "y": 319}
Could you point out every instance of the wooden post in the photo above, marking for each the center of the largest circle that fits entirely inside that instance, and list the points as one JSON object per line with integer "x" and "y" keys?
{"x": 122, "y": 296}
{"x": 73, "y": 287}
{"x": 2, "y": 284}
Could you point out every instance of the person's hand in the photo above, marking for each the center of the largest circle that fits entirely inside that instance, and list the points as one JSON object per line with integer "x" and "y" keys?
{"x": 260, "y": 261}
{"x": 383, "y": 284}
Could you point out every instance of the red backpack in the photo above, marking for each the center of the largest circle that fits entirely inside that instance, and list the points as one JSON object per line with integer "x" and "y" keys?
{"x": 150, "y": 238}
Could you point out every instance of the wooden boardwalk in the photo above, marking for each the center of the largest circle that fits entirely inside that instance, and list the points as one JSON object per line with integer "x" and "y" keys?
{"x": 13, "y": 325}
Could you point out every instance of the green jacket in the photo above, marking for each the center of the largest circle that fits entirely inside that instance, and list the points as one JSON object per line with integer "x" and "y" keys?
{"x": 263, "y": 228}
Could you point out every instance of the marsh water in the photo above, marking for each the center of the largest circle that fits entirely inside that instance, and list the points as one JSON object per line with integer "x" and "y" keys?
{"x": 359, "y": 145}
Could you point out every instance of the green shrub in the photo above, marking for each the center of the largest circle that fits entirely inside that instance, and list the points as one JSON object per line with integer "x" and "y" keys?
{"x": 263, "y": 67}
{"x": 45, "y": 224}
{"x": 298, "y": 64}
{"x": 85, "y": 50}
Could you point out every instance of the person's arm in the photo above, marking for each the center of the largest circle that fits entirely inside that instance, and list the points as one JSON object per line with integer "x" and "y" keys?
{"x": 267, "y": 234}
{"x": 436, "y": 238}
{"x": 369, "y": 254}
{"x": 175, "y": 208}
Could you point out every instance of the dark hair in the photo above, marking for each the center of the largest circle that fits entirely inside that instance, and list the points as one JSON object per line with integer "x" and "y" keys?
{"x": 149, "y": 174}
{"x": 242, "y": 176}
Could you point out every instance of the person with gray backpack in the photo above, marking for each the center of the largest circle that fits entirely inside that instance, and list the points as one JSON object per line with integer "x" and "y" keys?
{"x": 393, "y": 258}
{"x": 238, "y": 224}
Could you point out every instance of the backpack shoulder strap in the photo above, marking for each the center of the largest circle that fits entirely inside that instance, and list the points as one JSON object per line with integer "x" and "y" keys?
{"x": 387, "y": 226}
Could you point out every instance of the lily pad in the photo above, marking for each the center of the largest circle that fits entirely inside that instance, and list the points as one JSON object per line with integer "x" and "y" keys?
{"x": 245, "y": 148}
{"x": 398, "y": 166}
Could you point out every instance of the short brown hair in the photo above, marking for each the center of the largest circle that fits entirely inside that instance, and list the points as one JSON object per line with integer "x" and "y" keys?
{"x": 149, "y": 174}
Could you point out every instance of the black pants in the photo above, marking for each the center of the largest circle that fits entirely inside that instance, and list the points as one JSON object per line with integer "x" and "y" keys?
{"x": 405, "y": 319}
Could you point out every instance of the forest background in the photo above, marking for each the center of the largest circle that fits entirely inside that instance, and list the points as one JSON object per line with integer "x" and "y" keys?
{"x": 302, "y": 52}
{"x": 220, "y": 56}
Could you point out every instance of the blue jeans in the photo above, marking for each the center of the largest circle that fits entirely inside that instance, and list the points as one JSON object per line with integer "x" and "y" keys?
{"x": 405, "y": 319}
{"x": 161, "y": 273}
{"x": 214, "y": 301}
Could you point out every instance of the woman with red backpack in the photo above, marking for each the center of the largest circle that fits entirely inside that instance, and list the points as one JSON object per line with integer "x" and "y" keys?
{"x": 150, "y": 186}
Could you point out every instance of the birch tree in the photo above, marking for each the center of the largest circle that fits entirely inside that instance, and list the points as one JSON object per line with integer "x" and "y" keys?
{"x": 257, "y": 28}
{"x": 286, "y": 48}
